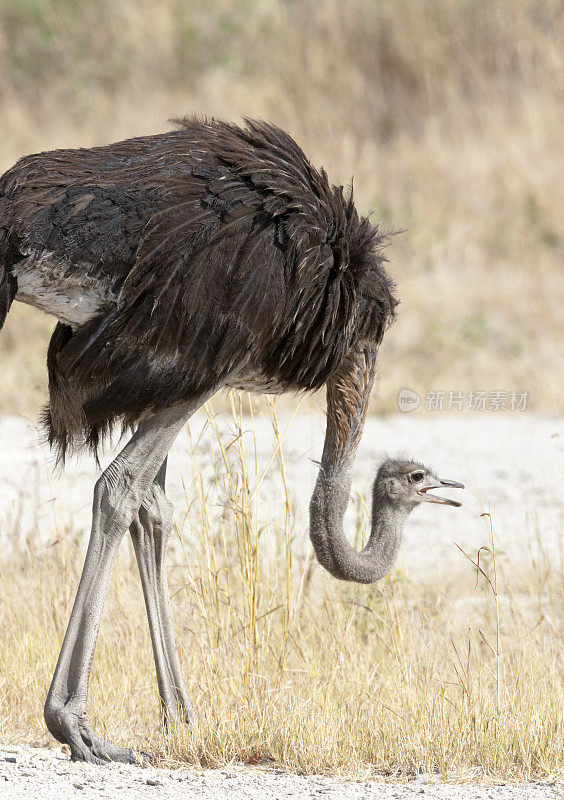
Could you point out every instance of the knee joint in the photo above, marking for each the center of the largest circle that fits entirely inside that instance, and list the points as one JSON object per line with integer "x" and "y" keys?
{"x": 116, "y": 500}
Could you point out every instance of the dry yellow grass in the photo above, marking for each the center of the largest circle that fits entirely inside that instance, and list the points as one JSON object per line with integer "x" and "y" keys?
{"x": 287, "y": 664}
{"x": 449, "y": 113}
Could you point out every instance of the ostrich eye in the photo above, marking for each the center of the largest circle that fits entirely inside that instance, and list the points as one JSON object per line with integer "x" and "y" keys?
{"x": 416, "y": 477}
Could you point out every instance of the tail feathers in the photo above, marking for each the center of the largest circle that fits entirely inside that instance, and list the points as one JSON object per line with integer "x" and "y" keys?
{"x": 62, "y": 419}
{"x": 8, "y": 289}
{"x": 65, "y": 420}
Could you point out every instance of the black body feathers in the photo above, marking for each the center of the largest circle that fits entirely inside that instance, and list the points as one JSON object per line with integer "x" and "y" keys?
{"x": 224, "y": 255}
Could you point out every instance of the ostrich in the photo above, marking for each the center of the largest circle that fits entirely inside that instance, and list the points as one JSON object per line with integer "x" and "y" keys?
{"x": 213, "y": 255}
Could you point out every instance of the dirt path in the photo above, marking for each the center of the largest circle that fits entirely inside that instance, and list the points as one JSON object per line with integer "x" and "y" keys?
{"x": 40, "y": 774}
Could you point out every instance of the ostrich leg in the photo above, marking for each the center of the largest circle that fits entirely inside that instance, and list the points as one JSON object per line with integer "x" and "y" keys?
{"x": 118, "y": 495}
{"x": 150, "y": 532}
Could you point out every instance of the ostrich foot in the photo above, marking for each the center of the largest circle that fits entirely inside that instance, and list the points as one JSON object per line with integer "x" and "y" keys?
{"x": 72, "y": 728}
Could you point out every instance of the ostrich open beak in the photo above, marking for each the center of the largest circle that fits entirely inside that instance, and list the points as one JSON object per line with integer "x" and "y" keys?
{"x": 433, "y": 498}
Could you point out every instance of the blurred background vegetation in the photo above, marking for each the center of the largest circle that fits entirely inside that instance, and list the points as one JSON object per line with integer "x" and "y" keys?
{"x": 449, "y": 113}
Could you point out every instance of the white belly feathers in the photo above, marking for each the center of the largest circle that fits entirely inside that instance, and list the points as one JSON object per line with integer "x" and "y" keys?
{"x": 64, "y": 290}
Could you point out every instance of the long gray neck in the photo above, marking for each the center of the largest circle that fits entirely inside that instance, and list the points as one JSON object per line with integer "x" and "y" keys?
{"x": 347, "y": 400}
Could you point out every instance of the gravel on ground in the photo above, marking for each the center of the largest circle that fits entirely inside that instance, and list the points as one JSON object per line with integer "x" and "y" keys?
{"x": 28, "y": 773}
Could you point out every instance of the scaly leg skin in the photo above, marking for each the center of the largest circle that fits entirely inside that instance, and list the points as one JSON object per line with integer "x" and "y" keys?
{"x": 118, "y": 495}
{"x": 150, "y": 532}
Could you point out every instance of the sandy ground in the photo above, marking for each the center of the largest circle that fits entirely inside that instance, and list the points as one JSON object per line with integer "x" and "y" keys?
{"x": 38, "y": 774}
{"x": 511, "y": 464}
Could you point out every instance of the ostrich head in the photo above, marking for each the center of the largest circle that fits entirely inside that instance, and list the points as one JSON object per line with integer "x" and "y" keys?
{"x": 400, "y": 486}
{"x": 405, "y": 484}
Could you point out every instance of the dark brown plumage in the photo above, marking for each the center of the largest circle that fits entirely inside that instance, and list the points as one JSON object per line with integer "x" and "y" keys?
{"x": 224, "y": 256}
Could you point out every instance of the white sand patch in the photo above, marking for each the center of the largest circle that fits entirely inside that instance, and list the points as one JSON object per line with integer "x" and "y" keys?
{"x": 511, "y": 464}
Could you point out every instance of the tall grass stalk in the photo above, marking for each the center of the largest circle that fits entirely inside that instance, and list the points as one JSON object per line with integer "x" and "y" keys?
{"x": 492, "y": 583}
